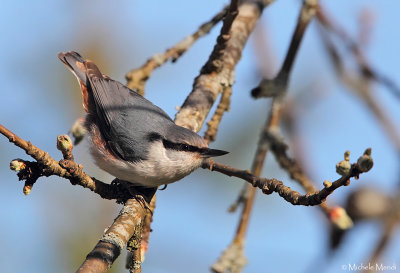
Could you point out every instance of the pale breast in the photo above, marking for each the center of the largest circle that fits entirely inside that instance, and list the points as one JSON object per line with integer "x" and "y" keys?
{"x": 160, "y": 167}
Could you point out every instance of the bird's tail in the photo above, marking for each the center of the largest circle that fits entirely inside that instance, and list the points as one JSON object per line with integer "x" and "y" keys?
{"x": 82, "y": 70}
{"x": 75, "y": 63}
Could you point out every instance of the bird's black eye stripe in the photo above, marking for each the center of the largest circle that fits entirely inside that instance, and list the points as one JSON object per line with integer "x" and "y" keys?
{"x": 179, "y": 146}
{"x": 168, "y": 144}
{"x": 184, "y": 147}
{"x": 189, "y": 148}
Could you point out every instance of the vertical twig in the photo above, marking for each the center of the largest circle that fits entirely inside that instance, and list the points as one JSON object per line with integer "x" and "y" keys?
{"x": 278, "y": 85}
{"x": 223, "y": 106}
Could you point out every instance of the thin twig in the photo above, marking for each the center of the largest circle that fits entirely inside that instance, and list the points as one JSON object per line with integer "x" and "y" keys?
{"x": 269, "y": 186}
{"x": 65, "y": 168}
{"x": 365, "y": 68}
{"x": 278, "y": 148}
{"x": 278, "y": 85}
{"x": 223, "y": 106}
{"x": 359, "y": 84}
{"x": 115, "y": 238}
{"x": 136, "y": 78}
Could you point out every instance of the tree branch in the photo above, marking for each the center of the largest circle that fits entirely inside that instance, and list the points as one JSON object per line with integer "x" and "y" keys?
{"x": 360, "y": 85}
{"x": 136, "y": 78}
{"x": 130, "y": 218}
{"x": 139, "y": 243}
{"x": 213, "y": 124}
{"x": 269, "y": 186}
{"x": 47, "y": 166}
{"x": 278, "y": 85}
{"x": 214, "y": 65}
{"x": 365, "y": 68}
{"x": 115, "y": 238}
{"x": 276, "y": 88}
{"x": 278, "y": 148}
{"x": 218, "y": 72}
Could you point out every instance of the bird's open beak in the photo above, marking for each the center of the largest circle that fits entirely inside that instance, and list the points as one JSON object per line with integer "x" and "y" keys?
{"x": 213, "y": 152}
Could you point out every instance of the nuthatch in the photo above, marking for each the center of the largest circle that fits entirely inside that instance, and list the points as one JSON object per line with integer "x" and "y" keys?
{"x": 131, "y": 138}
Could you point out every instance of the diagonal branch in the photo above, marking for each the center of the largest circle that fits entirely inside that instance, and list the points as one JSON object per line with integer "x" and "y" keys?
{"x": 138, "y": 244}
{"x": 129, "y": 220}
{"x": 279, "y": 148}
{"x": 214, "y": 65}
{"x": 115, "y": 238}
{"x": 359, "y": 84}
{"x": 278, "y": 85}
{"x": 223, "y": 106}
{"x": 65, "y": 168}
{"x": 218, "y": 72}
{"x": 269, "y": 186}
{"x": 366, "y": 69}
{"x": 136, "y": 78}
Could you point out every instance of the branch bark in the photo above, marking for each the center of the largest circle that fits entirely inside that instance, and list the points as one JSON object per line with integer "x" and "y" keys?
{"x": 269, "y": 186}
{"x": 64, "y": 168}
{"x": 115, "y": 238}
{"x": 218, "y": 72}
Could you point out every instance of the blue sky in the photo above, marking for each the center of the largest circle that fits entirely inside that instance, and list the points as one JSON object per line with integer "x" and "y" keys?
{"x": 39, "y": 99}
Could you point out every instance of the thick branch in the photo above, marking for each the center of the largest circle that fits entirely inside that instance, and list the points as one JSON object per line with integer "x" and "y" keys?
{"x": 214, "y": 65}
{"x": 115, "y": 238}
{"x": 139, "y": 243}
{"x": 209, "y": 84}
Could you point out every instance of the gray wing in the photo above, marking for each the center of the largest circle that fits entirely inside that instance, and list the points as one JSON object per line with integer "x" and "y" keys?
{"x": 126, "y": 119}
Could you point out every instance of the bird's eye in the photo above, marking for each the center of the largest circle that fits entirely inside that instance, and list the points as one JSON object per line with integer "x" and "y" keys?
{"x": 185, "y": 147}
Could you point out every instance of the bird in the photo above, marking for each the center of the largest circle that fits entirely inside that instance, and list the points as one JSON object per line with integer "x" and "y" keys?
{"x": 130, "y": 137}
